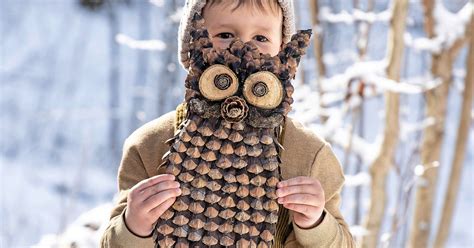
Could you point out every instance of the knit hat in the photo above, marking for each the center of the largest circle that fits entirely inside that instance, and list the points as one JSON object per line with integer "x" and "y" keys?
{"x": 195, "y": 6}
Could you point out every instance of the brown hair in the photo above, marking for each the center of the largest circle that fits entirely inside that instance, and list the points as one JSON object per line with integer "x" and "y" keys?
{"x": 260, "y": 5}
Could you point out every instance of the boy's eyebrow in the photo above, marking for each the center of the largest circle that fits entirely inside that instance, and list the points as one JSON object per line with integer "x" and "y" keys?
{"x": 224, "y": 25}
{"x": 259, "y": 26}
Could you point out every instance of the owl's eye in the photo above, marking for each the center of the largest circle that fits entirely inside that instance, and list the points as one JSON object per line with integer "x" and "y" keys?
{"x": 218, "y": 82}
{"x": 263, "y": 89}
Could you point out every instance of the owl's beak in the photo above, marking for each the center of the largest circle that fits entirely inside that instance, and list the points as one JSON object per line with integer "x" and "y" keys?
{"x": 234, "y": 109}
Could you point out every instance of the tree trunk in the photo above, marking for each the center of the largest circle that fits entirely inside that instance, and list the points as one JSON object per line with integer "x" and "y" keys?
{"x": 463, "y": 133}
{"x": 362, "y": 39}
{"x": 436, "y": 100}
{"x": 318, "y": 51}
{"x": 301, "y": 70}
{"x": 383, "y": 161}
{"x": 318, "y": 38}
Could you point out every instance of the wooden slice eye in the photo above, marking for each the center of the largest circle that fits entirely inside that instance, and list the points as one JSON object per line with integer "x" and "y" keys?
{"x": 263, "y": 90}
{"x": 260, "y": 89}
{"x": 218, "y": 82}
{"x": 222, "y": 81}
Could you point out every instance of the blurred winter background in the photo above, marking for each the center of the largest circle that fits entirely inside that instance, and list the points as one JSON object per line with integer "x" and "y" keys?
{"x": 78, "y": 76}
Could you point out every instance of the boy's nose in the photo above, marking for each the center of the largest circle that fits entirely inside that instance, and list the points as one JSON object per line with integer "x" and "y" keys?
{"x": 245, "y": 38}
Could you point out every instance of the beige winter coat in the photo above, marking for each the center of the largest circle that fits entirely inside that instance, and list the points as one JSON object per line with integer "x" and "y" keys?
{"x": 305, "y": 154}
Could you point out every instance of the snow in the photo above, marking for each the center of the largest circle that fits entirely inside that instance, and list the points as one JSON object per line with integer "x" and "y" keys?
{"x": 358, "y": 231}
{"x": 373, "y": 73}
{"x": 386, "y": 84}
{"x": 150, "y": 45}
{"x": 408, "y": 128}
{"x": 157, "y": 3}
{"x": 449, "y": 27}
{"x": 423, "y": 43}
{"x": 325, "y": 15}
{"x": 359, "y": 179}
{"x": 44, "y": 199}
{"x": 331, "y": 59}
{"x": 365, "y": 150}
{"x": 176, "y": 16}
{"x": 356, "y": 70}
{"x": 421, "y": 169}
{"x": 85, "y": 231}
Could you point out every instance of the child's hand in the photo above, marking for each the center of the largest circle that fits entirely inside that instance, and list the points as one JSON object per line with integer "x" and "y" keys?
{"x": 305, "y": 197}
{"x": 148, "y": 200}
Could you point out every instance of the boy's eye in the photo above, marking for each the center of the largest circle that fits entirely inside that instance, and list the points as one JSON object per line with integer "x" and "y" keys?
{"x": 261, "y": 38}
{"x": 225, "y": 35}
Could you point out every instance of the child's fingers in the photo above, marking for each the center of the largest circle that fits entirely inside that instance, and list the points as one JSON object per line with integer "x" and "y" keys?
{"x": 154, "y": 189}
{"x": 159, "y": 198}
{"x": 306, "y": 210}
{"x": 160, "y": 209}
{"x": 152, "y": 181}
{"x": 303, "y": 188}
{"x": 304, "y": 199}
{"x": 297, "y": 181}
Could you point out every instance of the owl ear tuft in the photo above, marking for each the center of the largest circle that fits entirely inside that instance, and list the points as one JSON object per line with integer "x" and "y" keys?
{"x": 197, "y": 21}
{"x": 199, "y": 46}
{"x": 292, "y": 51}
{"x": 199, "y": 38}
{"x": 198, "y": 29}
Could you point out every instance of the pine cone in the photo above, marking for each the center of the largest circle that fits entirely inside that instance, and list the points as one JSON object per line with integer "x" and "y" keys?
{"x": 234, "y": 109}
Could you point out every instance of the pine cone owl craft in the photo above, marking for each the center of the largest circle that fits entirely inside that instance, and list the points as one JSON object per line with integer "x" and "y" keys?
{"x": 225, "y": 154}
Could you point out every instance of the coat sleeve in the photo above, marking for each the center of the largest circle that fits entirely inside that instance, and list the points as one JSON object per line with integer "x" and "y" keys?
{"x": 333, "y": 231}
{"x": 131, "y": 171}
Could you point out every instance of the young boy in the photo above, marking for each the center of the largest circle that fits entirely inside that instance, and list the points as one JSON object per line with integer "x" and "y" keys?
{"x": 312, "y": 192}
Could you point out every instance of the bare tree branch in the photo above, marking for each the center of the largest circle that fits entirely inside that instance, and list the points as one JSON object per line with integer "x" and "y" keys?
{"x": 380, "y": 167}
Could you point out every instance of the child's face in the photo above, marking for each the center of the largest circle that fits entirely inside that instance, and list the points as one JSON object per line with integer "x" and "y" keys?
{"x": 263, "y": 28}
